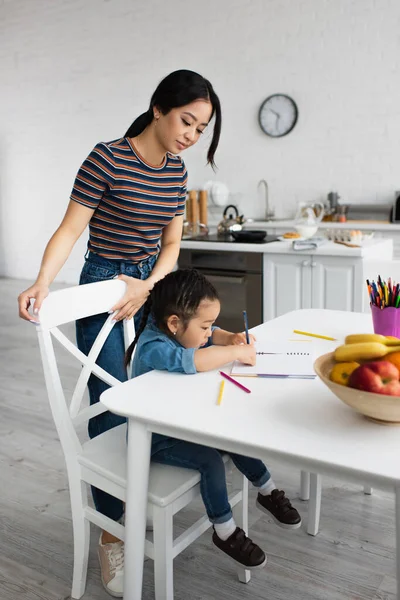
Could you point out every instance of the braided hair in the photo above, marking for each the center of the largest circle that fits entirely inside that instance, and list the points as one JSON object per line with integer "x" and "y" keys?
{"x": 179, "y": 293}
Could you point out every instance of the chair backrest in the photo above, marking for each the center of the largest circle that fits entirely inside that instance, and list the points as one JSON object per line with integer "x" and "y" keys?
{"x": 61, "y": 307}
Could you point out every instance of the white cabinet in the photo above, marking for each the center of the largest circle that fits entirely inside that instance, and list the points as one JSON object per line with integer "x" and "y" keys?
{"x": 387, "y": 235}
{"x": 308, "y": 281}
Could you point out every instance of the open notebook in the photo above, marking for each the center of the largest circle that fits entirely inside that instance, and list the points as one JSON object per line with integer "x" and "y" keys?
{"x": 289, "y": 359}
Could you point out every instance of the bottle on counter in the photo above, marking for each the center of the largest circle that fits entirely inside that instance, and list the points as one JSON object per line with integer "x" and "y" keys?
{"x": 194, "y": 208}
{"x": 203, "y": 197}
{"x": 341, "y": 212}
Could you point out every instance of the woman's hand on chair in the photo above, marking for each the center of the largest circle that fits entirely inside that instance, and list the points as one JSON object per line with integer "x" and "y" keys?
{"x": 135, "y": 296}
{"x": 38, "y": 292}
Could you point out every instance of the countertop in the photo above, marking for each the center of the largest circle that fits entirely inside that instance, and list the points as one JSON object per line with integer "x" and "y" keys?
{"x": 369, "y": 249}
{"x": 288, "y": 224}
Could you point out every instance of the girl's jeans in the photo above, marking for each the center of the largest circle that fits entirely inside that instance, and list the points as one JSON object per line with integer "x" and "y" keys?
{"x": 211, "y": 466}
{"x": 111, "y": 357}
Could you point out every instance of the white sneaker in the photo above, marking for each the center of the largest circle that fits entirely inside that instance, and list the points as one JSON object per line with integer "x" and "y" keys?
{"x": 111, "y": 557}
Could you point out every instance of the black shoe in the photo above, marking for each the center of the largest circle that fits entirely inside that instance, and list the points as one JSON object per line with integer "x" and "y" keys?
{"x": 241, "y": 549}
{"x": 278, "y": 506}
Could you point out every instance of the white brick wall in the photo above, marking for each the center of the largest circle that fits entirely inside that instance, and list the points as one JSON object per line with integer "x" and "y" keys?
{"x": 77, "y": 72}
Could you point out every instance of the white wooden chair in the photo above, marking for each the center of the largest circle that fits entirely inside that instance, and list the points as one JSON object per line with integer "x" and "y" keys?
{"x": 102, "y": 461}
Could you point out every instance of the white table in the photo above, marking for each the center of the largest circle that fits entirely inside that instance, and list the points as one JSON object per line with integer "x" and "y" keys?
{"x": 299, "y": 421}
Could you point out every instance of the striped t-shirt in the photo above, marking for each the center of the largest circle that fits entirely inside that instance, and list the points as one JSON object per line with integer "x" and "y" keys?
{"x": 133, "y": 200}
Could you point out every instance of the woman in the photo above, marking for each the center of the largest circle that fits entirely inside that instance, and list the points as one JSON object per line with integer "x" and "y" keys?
{"x": 131, "y": 192}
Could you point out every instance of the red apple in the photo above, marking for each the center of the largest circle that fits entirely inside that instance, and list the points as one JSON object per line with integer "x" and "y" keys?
{"x": 392, "y": 388}
{"x": 376, "y": 377}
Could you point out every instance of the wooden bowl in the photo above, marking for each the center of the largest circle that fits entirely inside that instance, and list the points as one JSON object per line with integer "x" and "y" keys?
{"x": 378, "y": 407}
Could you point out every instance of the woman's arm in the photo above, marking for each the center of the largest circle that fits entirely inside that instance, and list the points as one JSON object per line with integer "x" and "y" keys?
{"x": 138, "y": 290}
{"x": 56, "y": 253}
{"x": 170, "y": 245}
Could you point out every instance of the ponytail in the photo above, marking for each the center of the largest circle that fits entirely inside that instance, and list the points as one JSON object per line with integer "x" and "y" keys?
{"x": 140, "y": 123}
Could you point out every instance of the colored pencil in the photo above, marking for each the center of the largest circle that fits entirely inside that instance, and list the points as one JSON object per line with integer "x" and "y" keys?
{"x": 383, "y": 294}
{"x": 221, "y": 392}
{"x": 246, "y": 327}
{"x": 316, "y": 335}
{"x": 242, "y": 387}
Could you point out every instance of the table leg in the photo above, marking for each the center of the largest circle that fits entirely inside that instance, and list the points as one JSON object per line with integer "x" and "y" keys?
{"x": 304, "y": 485}
{"x": 397, "y": 525}
{"x": 138, "y": 467}
{"x": 314, "y": 504}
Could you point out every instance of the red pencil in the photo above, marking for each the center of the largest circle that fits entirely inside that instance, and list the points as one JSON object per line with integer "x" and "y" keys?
{"x": 245, "y": 389}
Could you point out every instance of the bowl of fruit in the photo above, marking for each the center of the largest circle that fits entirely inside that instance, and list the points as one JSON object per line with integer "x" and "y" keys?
{"x": 365, "y": 374}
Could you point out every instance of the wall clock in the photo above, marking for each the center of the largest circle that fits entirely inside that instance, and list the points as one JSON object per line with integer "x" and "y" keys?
{"x": 278, "y": 115}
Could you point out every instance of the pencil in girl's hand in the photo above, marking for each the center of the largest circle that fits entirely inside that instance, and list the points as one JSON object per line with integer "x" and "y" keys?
{"x": 246, "y": 326}
{"x": 221, "y": 392}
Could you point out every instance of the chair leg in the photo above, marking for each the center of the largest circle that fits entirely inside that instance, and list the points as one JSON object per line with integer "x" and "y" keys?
{"x": 304, "y": 485}
{"x": 314, "y": 505}
{"x": 81, "y": 530}
{"x": 163, "y": 553}
{"x": 368, "y": 490}
{"x": 241, "y": 515}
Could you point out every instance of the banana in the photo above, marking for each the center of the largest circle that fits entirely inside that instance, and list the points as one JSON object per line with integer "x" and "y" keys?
{"x": 371, "y": 337}
{"x": 363, "y": 351}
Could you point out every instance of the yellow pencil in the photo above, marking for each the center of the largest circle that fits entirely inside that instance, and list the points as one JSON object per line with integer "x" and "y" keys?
{"x": 316, "y": 335}
{"x": 221, "y": 392}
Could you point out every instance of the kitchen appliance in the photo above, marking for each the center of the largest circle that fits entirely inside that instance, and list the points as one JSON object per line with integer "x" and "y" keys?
{"x": 396, "y": 208}
{"x": 369, "y": 212}
{"x": 308, "y": 218}
{"x": 238, "y": 278}
{"x": 231, "y": 220}
{"x": 228, "y": 237}
{"x": 249, "y": 235}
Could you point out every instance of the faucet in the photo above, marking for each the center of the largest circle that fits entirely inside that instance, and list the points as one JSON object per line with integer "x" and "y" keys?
{"x": 269, "y": 213}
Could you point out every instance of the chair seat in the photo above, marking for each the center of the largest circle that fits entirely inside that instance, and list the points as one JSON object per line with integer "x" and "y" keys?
{"x": 106, "y": 455}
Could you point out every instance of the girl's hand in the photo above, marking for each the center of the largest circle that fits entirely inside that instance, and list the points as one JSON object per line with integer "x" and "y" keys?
{"x": 135, "y": 296}
{"x": 240, "y": 338}
{"x": 38, "y": 292}
{"x": 246, "y": 353}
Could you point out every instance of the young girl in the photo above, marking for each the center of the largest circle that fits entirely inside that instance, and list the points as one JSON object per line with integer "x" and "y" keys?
{"x": 176, "y": 334}
{"x": 131, "y": 192}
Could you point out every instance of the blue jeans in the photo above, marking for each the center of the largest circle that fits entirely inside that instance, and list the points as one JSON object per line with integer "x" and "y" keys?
{"x": 111, "y": 357}
{"x": 211, "y": 466}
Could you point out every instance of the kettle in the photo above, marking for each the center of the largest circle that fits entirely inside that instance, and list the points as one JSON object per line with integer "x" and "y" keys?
{"x": 230, "y": 222}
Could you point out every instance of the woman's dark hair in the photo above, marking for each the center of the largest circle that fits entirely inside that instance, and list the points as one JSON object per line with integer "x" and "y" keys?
{"x": 179, "y": 293}
{"x": 178, "y": 89}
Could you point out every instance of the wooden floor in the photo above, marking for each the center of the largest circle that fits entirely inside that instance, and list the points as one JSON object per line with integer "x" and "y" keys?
{"x": 352, "y": 558}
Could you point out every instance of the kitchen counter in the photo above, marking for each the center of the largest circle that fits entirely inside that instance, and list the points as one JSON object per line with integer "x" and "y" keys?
{"x": 331, "y": 276}
{"x": 369, "y": 249}
{"x": 288, "y": 225}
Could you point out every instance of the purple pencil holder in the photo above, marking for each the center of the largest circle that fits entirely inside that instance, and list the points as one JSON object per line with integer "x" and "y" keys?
{"x": 386, "y": 321}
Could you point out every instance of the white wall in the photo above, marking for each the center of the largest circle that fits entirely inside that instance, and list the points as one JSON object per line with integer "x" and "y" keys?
{"x": 77, "y": 72}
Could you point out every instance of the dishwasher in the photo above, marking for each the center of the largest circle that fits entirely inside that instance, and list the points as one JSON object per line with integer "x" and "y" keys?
{"x": 238, "y": 278}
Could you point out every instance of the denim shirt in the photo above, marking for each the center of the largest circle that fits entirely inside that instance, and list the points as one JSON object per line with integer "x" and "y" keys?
{"x": 155, "y": 350}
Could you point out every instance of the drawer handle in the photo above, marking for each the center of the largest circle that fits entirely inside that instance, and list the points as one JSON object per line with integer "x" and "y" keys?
{"x": 313, "y": 264}
{"x": 305, "y": 263}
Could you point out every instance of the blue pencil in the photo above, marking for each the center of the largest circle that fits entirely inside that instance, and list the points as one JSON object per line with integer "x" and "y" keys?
{"x": 246, "y": 326}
